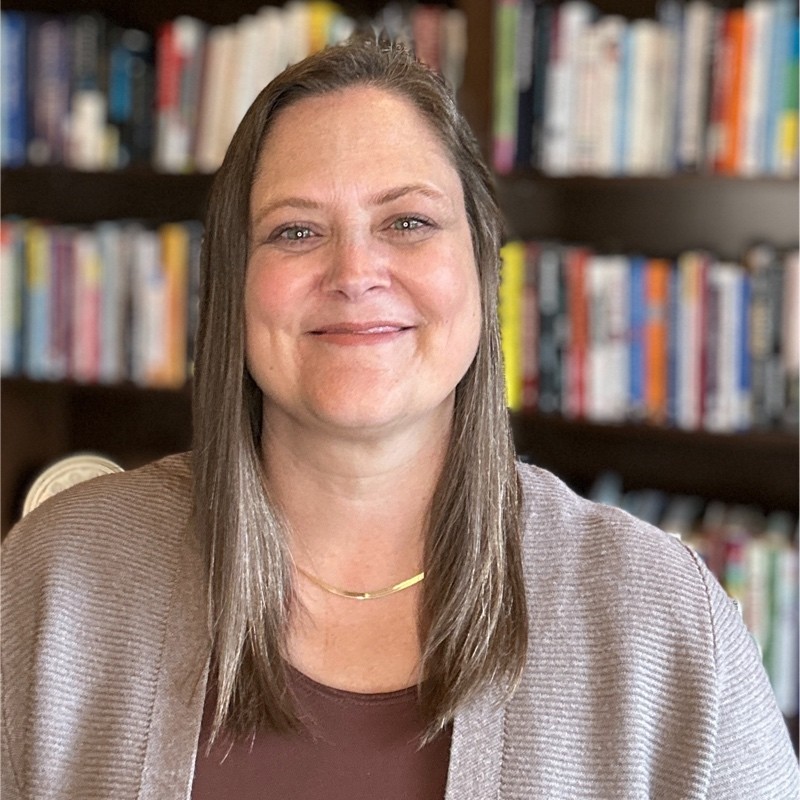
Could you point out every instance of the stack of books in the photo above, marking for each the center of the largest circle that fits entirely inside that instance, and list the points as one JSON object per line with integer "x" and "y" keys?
{"x": 694, "y": 342}
{"x": 81, "y": 91}
{"x": 699, "y": 88}
{"x": 111, "y": 303}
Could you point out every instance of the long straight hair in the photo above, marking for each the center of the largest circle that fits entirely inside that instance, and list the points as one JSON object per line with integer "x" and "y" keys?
{"x": 473, "y": 619}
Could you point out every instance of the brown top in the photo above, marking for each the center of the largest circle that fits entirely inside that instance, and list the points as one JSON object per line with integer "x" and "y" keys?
{"x": 357, "y": 746}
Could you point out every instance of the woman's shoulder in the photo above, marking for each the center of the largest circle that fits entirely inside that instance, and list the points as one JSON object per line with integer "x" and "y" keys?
{"x": 112, "y": 517}
{"x": 589, "y": 547}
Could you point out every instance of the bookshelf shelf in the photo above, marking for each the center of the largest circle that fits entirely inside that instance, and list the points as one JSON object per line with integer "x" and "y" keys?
{"x": 70, "y": 196}
{"x": 755, "y": 467}
{"x": 653, "y": 215}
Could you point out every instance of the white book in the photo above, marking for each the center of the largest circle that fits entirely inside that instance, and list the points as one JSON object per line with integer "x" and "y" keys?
{"x": 454, "y": 46}
{"x": 297, "y": 30}
{"x": 609, "y": 357}
{"x": 571, "y": 18}
{"x": 584, "y": 133}
{"x": 608, "y": 75}
{"x": 642, "y": 113}
{"x": 784, "y": 660}
{"x": 759, "y": 21}
{"x": 274, "y": 51}
{"x": 722, "y": 410}
{"x": 694, "y": 81}
{"x": 691, "y": 268}
{"x": 209, "y": 145}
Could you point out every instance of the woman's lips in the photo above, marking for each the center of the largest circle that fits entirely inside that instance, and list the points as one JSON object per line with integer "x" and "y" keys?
{"x": 354, "y": 333}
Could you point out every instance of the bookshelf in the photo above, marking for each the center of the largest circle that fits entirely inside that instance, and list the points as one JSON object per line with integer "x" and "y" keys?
{"x": 656, "y": 215}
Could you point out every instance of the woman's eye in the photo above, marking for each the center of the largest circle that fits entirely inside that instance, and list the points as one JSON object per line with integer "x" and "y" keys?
{"x": 293, "y": 233}
{"x": 405, "y": 224}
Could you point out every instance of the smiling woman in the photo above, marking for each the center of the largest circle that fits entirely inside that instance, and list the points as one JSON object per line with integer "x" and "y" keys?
{"x": 350, "y": 589}
{"x": 360, "y": 240}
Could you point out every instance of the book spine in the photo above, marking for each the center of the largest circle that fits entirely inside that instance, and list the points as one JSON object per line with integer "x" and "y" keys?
{"x": 638, "y": 311}
{"x": 656, "y": 279}
{"x": 524, "y": 47}
{"x": 12, "y": 282}
{"x": 759, "y": 19}
{"x": 550, "y": 297}
{"x": 505, "y": 91}
{"x": 577, "y": 366}
{"x": 38, "y": 296}
{"x": 788, "y": 123}
{"x": 790, "y": 339}
{"x": 510, "y": 311}
{"x": 530, "y": 329}
{"x": 13, "y": 101}
{"x": 87, "y": 124}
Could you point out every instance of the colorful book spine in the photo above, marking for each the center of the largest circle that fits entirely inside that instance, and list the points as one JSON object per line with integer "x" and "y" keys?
{"x": 13, "y": 101}
{"x": 510, "y": 311}
{"x": 505, "y": 90}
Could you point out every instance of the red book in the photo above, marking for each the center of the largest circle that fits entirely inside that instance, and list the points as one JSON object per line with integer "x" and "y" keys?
{"x": 578, "y": 349}
{"x": 656, "y": 339}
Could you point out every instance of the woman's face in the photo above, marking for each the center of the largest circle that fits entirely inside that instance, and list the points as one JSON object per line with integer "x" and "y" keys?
{"x": 362, "y": 304}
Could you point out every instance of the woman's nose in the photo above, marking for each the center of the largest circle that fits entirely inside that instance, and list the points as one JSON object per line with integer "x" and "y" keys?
{"x": 357, "y": 266}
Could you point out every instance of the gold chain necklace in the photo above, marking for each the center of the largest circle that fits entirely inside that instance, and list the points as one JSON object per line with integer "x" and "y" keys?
{"x": 398, "y": 587}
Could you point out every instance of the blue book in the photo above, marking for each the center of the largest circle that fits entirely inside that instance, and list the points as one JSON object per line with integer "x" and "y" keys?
{"x": 776, "y": 80}
{"x": 638, "y": 319}
{"x": 623, "y": 104}
{"x": 673, "y": 344}
{"x": 13, "y": 112}
{"x": 743, "y": 376}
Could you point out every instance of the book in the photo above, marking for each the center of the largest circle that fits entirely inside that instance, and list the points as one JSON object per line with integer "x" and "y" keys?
{"x": 765, "y": 330}
{"x": 759, "y": 21}
{"x": 607, "y": 280}
{"x": 504, "y": 119}
{"x": 694, "y": 80}
{"x": 86, "y": 297}
{"x": 87, "y": 119}
{"x": 655, "y": 334}
{"x": 576, "y": 372}
{"x": 510, "y": 311}
{"x": 48, "y": 87}
{"x": 12, "y": 279}
{"x": 570, "y": 21}
{"x": 551, "y": 297}
{"x": 13, "y": 100}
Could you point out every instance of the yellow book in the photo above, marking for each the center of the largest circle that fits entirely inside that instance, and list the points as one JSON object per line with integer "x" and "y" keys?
{"x": 175, "y": 259}
{"x": 512, "y": 286}
{"x": 320, "y": 18}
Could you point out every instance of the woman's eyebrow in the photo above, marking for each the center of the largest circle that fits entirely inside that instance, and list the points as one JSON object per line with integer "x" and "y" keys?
{"x": 284, "y": 202}
{"x": 378, "y": 199}
{"x": 396, "y": 192}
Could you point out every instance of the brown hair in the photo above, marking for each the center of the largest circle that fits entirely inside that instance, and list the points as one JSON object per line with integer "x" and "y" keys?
{"x": 473, "y": 619}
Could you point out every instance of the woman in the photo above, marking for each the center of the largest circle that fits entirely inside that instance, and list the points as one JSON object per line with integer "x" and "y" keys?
{"x": 351, "y": 589}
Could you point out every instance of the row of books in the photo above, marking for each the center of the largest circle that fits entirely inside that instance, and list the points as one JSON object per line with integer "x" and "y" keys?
{"x": 695, "y": 342}
{"x": 699, "y": 88}
{"x": 81, "y": 91}
{"x": 110, "y": 303}
{"x": 753, "y": 555}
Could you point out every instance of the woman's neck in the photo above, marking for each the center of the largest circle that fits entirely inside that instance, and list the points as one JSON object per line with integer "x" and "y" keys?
{"x": 356, "y": 506}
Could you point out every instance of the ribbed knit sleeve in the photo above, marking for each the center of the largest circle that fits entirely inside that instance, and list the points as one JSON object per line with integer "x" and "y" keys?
{"x": 88, "y": 600}
{"x": 753, "y": 758}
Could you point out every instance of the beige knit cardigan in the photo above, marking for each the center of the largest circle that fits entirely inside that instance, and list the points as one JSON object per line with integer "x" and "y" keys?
{"x": 641, "y": 680}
